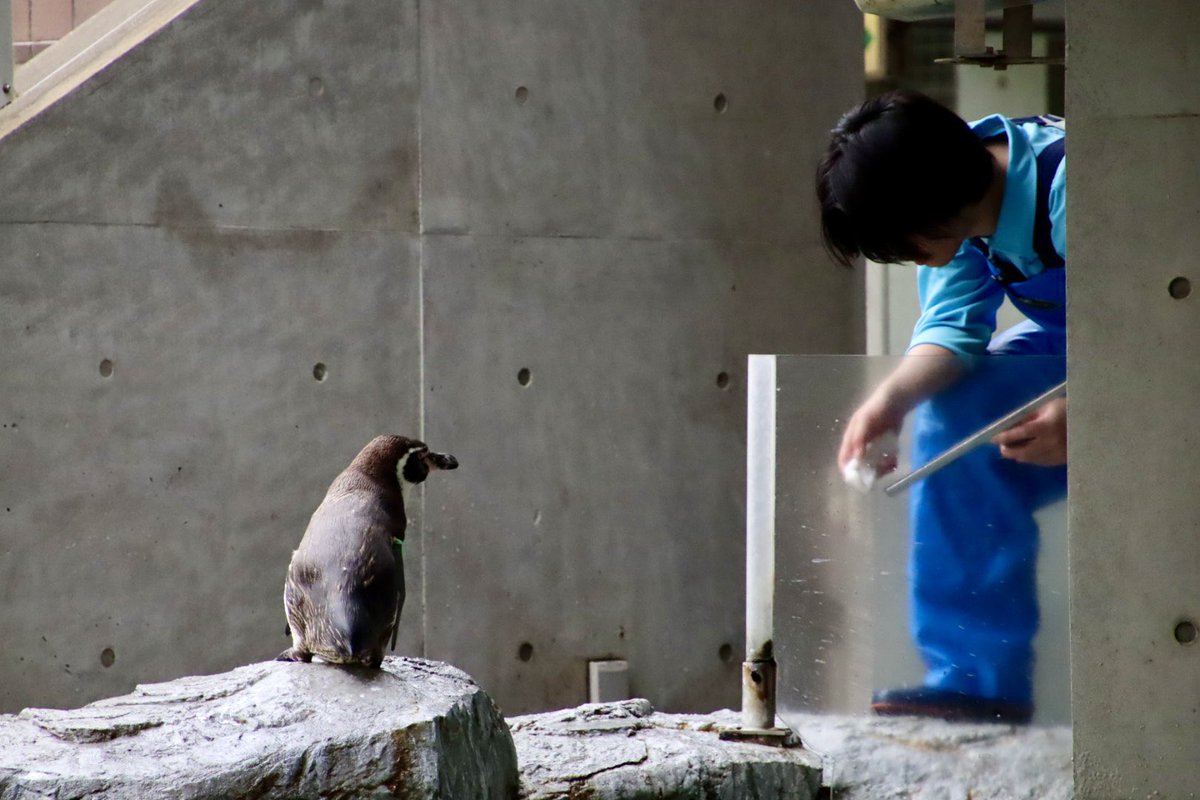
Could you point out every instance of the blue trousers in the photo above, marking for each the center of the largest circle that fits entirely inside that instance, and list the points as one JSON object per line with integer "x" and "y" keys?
{"x": 973, "y": 560}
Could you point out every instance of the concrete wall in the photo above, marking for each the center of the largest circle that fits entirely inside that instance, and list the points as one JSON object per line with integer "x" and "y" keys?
{"x": 1134, "y": 106}
{"x": 425, "y": 199}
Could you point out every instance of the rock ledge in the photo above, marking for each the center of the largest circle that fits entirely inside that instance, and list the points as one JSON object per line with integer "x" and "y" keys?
{"x": 615, "y": 751}
{"x": 415, "y": 729}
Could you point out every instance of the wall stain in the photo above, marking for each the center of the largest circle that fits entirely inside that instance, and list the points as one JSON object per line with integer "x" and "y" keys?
{"x": 178, "y": 210}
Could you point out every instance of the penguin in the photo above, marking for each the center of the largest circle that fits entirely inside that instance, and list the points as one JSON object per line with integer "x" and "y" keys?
{"x": 345, "y": 583}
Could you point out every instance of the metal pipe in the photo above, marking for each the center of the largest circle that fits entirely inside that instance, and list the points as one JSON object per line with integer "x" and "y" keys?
{"x": 977, "y": 439}
{"x": 760, "y": 543}
{"x": 758, "y": 695}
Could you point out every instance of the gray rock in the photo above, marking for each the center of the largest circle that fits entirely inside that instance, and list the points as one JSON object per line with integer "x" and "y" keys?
{"x": 415, "y": 729}
{"x": 905, "y": 758}
{"x": 620, "y": 751}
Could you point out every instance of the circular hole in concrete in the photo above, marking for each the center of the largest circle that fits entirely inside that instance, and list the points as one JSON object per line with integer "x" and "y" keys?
{"x": 1179, "y": 288}
{"x": 1185, "y": 632}
{"x": 521, "y": 95}
{"x": 108, "y": 657}
{"x": 756, "y": 676}
{"x": 320, "y": 371}
{"x": 524, "y": 376}
{"x": 720, "y": 103}
{"x": 722, "y": 380}
{"x": 106, "y": 368}
{"x": 316, "y": 87}
{"x": 726, "y": 653}
{"x": 525, "y": 651}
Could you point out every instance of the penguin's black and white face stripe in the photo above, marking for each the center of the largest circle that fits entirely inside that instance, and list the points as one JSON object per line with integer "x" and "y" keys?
{"x": 414, "y": 466}
{"x": 411, "y": 468}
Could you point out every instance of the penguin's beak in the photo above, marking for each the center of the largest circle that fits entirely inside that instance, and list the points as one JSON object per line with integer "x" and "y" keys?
{"x": 441, "y": 461}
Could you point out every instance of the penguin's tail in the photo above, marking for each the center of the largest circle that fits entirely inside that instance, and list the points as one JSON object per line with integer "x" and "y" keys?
{"x": 352, "y": 637}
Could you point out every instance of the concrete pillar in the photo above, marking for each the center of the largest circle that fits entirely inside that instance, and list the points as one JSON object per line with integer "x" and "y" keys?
{"x": 1133, "y": 105}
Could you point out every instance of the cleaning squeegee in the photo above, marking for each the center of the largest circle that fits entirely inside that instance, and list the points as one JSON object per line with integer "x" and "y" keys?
{"x": 977, "y": 439}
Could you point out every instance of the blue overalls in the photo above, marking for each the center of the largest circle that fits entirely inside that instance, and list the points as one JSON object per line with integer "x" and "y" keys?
{"x": 975, "y": 542}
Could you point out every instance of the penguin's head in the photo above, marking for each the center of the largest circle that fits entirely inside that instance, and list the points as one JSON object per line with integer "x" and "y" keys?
{"x": 407, "y": 459}
{"x": 416, "y": 464}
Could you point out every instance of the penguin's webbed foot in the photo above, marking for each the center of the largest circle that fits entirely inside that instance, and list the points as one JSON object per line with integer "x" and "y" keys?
{"x": 293, "y": 654}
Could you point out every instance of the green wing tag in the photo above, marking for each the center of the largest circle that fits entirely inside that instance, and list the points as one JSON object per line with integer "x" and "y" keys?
{"x": 397, "y": 548}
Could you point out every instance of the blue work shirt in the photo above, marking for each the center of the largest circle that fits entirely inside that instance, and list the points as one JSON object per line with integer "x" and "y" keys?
{"x": 959, "y": 300}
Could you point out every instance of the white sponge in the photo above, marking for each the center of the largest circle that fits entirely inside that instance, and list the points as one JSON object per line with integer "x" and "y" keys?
{"x": 861, "y": 473}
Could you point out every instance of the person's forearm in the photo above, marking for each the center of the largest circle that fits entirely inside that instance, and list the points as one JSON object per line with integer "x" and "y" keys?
{"x": 924, "y": 371}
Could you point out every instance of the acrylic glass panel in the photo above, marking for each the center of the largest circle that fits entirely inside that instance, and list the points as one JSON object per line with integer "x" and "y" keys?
{"x": 841, "y": 609}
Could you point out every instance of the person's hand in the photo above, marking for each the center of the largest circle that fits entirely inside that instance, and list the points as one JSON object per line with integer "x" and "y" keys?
{"x": 1040, "y": 438}
{"x": 925, "y": 370}
{"x": 873, "y": 419}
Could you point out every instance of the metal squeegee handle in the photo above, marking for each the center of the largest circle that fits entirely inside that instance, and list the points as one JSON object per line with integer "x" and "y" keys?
{"x": 976, "y": 439}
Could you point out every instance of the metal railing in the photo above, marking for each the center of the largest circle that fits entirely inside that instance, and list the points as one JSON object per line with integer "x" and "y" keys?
{"x": 65, "y": 62}
{"x": 6, "y": 53}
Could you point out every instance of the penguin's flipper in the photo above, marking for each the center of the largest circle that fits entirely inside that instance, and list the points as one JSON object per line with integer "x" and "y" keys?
{"x": 398, "y": 555}
{"x": 396, "y": 619}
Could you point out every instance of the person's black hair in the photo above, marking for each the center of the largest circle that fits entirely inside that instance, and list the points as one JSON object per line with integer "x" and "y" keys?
{"x": 897, "y": 166}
